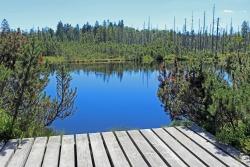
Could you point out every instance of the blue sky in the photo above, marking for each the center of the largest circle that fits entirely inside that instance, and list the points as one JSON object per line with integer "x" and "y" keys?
{"x": 28, "y": 14}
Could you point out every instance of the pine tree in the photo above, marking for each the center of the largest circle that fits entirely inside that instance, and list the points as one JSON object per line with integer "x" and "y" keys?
{"x": 244, "y": 33}
{"x": 5, "y": 28}
{"x": 60, "y": 31}
{"x": 76, "y": 33}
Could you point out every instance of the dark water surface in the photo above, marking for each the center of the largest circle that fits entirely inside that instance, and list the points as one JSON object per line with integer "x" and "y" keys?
{"x": 112, "y": 97}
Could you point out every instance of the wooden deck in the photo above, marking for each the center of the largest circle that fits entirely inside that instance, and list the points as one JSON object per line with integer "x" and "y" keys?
{"x": 173, "y": 146}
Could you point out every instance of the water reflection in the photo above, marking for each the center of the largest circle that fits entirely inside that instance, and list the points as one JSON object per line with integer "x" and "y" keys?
{"x": 130, "y": 95}
{"x": 112, "y": 96}
{"x": 108, "y": 70}
{"x": 200, "y": 92}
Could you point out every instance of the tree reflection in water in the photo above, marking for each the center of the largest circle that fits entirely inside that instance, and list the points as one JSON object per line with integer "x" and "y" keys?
{"x": 214, "y": 96}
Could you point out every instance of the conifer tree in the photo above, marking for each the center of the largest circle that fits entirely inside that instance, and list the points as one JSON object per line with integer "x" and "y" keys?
{"x": 5, "y": 28}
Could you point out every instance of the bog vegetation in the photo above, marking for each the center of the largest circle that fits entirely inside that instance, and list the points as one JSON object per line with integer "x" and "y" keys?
{"x": 217, "y": 100}
{"x": 25, "y": 110}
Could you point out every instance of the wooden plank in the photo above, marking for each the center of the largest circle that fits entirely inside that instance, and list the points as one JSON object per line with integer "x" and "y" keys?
{"x": 35, "y": 158}
{"x": 186, "y": 156}
{"x": 67, "y": 158}
{"x": 227, "y": 159}
{"x": 163, "y": 149}
{"x": 83, "y": 151}
{"x": 152, "y": 157}
{"x": 98, "y": 149}
{"x": 227, "y": 148}
{"x": 20, "y": 157}
{"x": 7, "y": 152}
{"x": 116, "y": 154}
{"x": 132, "y": 153}
{"x": 194, "y": 148}
{"x": 51, "y": 156}
{"x": 212, "y": 149}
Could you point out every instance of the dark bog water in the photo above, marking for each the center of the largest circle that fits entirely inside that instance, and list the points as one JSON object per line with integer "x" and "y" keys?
{"x": 112, "y": 97}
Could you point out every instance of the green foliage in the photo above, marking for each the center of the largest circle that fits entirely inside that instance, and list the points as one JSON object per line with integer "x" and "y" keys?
{"x": 110, "y": 41}
{"x": 5, "y": 122}
{"x": 147, "y": 59}
{"x": 232, "y": 136}
{"x": 27, "y": 110}
{"x": 5, "y": 28}
{"x": 191, "y": 92}
{"x": 180, "y": 123}
{"x": 245, "y": 144}
{"x": 4, "y": 73}
{"x": 215, "y": 97}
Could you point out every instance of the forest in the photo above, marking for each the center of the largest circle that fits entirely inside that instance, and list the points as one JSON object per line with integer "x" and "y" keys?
{"x": 192, "y": 92}
{"x": 115, "y": 41}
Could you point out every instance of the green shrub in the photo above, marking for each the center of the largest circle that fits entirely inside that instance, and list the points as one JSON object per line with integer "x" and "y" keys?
{"x": 147, "y": 59}
{"x": 5, "y": 123}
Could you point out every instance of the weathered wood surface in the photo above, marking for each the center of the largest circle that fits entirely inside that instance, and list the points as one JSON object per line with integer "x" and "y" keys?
{"x": 227, "y": 148}
{"x": 67, "y": 158}
{"x": 7, "y": 152}
{"x": 165, "y": 152}
{"x": 215, "y": 151}
{"x": 130, "y": 150}
{"x": 22, "y": 153}
{"x": 202, "y": 154}
{"x": 52, "y": 152}
{"x": 115, "y": 151}
{"x": 173, "y": 146}
{"x": 148, "y": 152}
{"x": 179, "y": 149}
{"x": 100, "y": 155}
{"x": 83, "y": 151}
{"x": 36, "y": 155}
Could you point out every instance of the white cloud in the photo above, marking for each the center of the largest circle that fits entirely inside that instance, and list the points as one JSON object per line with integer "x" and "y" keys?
{"x": 227, "y": 11}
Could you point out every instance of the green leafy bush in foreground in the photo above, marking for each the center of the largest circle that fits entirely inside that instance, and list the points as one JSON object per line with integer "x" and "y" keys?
{"x": 215, "y": 96}
{"x": 25, "y": 110}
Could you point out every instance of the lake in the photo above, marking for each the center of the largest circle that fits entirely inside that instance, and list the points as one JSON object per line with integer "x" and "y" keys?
{"x": 111, "y": 97}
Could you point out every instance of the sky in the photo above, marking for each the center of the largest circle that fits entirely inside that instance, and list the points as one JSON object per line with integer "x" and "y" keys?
{"x": 28, "y": 14}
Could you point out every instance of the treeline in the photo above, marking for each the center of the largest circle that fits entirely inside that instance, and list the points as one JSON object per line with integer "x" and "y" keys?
{"x": 115, "y": 40}
{"x": 112, "y": 38}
